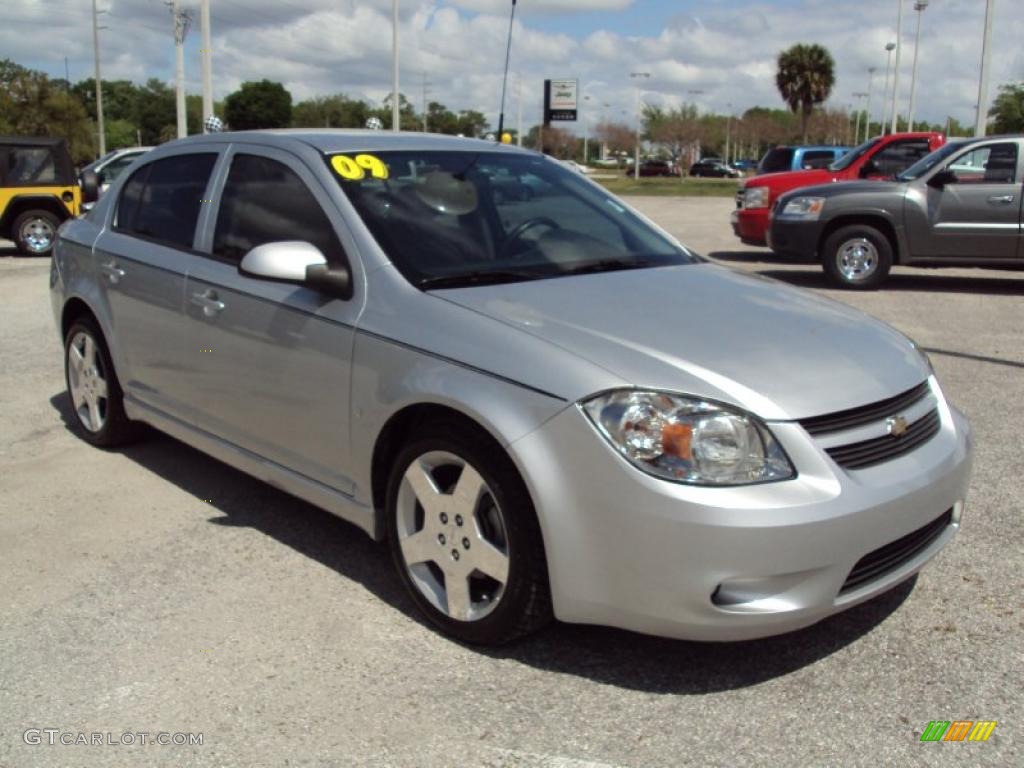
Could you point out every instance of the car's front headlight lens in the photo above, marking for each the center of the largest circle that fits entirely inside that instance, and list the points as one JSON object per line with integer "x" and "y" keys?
{"x": 804, "y": 208}
{"x": 688, "y": 440}
{"x": 755, "y": 197}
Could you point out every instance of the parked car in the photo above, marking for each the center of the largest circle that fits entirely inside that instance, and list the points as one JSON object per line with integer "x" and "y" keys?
{"x": 959, "y": 206}
{"x": 806, "y": 158}
{"x": 744, "y": 165}
{"x": 656, "y": 168}
{"x": 878, "y": 158}
{"x": 110, "y": 166}
{"x": 714, "y": 168}
{"x": 355, "y": 318}
{"x": 38, "y": 191}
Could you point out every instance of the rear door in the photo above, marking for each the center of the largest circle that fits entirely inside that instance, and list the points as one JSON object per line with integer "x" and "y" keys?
{"x": 273, "y": 362}
{"x": 978, "y": 214}
{"x": 141, "y": 258}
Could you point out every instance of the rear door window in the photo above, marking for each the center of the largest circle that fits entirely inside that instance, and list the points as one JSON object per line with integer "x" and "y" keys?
{"x": 818, "y": 158}
{"x": 162, "y": 200}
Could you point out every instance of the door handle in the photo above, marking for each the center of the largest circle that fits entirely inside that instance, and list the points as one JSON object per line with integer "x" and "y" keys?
{"x": 112, "y": 271}
{"x": 1001, "y": 199}
{"x": 209, "y": 301}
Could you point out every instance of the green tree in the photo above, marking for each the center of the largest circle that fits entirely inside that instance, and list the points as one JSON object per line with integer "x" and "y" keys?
{"x": 805, "y": 78}
{"x": 262, "y": 104}
{"x": 335, "y": 111}
{"x": 1007, "y": 111}
{"x": 154, "y": 111}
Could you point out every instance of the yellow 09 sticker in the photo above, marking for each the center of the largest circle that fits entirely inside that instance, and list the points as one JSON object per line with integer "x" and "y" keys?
{"x": 356, "y": 168}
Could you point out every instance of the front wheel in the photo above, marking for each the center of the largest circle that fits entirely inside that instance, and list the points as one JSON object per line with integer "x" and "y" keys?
{"x": 35, "y": 231}
{"x": 465, "y": 538}
{"x": 857, "y": 256}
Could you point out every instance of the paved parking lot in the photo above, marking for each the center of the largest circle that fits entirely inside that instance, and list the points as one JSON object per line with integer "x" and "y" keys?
{"x": 156, "y": 590}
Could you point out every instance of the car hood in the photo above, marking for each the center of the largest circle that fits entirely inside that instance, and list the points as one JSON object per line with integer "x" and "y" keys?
{"x": 863, "y": 187}
{"x": 790, "y": 179}
{"x": 701, "y": 329}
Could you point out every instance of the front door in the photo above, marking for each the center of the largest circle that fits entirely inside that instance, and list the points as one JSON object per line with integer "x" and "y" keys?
{"x": 975, "y": 215}
{"x": 272, "y": 365}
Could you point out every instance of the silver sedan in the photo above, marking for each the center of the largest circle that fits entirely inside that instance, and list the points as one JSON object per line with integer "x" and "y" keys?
{"x": 544, "y": 403}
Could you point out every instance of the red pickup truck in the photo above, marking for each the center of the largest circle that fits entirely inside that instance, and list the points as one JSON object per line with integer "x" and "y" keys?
{"x": 879, "y": 158}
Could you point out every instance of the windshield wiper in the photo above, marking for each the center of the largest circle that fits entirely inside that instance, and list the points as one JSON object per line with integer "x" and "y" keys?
{"x": 482, "y": 277}
{"x": 610, "y": 265}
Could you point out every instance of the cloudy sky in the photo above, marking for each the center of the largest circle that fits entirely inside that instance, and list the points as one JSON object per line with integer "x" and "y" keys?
{"x": 719, "y": 54}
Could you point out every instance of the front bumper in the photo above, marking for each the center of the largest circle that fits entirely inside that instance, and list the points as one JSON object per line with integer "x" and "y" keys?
{"x": 750, "y": 225}
{"x": 626, "y": 549}
{"x": 793, "y": 239}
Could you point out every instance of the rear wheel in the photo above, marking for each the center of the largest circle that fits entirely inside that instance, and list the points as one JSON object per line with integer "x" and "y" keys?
{"x": 34, "y": 232}
{"x": 465, "y": 538}
{"x": 95, "y": 392}
{"x": 857, "y": 256}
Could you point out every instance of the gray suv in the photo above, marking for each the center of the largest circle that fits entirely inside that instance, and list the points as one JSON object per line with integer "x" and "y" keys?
{"x": 547, "y": 406}
{"x": 958, "y": 206}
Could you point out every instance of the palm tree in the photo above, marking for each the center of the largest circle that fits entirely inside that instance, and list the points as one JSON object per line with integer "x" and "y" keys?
{"x": 805, "y": 78}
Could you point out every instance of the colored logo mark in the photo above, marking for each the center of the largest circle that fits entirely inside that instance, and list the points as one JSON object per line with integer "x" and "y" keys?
{"x": 958, "y": 730}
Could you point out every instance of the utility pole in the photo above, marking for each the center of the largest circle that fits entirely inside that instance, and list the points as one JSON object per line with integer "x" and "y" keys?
{"x": 396, "y": 120}
{"x": 636, "y": 110}
{"x": 425, "y": 89}
{"x": 519, "y": 109}
{"x": 919, "y": 6}
{"x": 986, "y": 59}
{"x": 856, "y": 131}
{"x": 867, "y": 118}
{"x": 896, "y": 73}
{"x": 99, "y": 82}
{"x": 206, "y": 58}
{"x": 885, "y": 92}
{"x": 182, "y": 21}
{"x": 728, "y": 126}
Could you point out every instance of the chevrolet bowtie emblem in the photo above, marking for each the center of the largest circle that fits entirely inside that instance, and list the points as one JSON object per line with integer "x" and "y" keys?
{"x": 896, "y": 426}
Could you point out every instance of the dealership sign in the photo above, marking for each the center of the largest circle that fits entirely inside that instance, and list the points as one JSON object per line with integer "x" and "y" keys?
{"x": 560, "y": 99}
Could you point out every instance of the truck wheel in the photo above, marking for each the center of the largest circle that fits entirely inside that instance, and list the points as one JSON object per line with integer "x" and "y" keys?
{"x": 34, "y": 232}
{"x": 857, "y": 256}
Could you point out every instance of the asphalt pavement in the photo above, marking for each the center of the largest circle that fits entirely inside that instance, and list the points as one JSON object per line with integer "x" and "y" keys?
{"x": 155, "y": 590}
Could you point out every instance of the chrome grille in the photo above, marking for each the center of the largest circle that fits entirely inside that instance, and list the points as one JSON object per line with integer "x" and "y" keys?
{"x": 869, "y": 452}
{"x": 886, "y": 559}
{"x": 855, "y": 417}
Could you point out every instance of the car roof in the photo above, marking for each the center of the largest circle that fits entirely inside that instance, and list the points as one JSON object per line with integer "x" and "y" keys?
{"x": 31, "y": 141}
{"x": 330, "y": 140}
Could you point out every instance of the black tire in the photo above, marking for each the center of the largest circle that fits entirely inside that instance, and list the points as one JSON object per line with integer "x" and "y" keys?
{"x": 29, "y": 230}
{"x": 115, "y": 428}
{"x": 523, "y": 603}
{"x": 857, "y": 256}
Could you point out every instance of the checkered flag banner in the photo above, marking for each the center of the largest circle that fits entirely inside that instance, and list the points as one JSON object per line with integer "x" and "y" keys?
{"x": 213, "y": 124}
{"x": 374, "y": 123}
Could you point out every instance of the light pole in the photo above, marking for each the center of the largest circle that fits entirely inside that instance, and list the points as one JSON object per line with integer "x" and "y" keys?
{"x": 986, "y": 58}
{"x": 919, "y": 6}
{"x": 636, "y": 149}
{"x": 885, "y": 91}
{"x": 867, "y": 118}
{"x": 858, "y": 95}
{"x": 728, "y": 126}
{"x": 102, "y": 136}
{"x": 586, "y": 129}
{"x": 396, "y": 124}
{"x": 896, "y": 71}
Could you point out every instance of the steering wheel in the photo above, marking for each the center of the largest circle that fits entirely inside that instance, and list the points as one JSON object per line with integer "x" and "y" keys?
{"x": 525, "y": 226}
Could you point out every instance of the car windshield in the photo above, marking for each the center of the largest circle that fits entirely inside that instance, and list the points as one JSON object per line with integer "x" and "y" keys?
{"x": 448, "y": 219}
{"x": 853, "y": 156}
{"x": 926, "y": 163}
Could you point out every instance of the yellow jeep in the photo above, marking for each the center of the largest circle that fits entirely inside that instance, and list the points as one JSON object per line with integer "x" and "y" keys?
{"x": 38, "y": 191}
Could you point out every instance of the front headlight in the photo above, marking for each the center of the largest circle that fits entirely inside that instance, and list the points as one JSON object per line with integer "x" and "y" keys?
{"x": 755, "y": 197}
{"x": 808, "y": 208}
{"x": 688, "y": 440}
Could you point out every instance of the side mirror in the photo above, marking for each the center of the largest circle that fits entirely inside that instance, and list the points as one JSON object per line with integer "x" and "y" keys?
{"x": 296, "y": 261}
{"x": 90, "y": 184}
{"x": 942, "y": 178}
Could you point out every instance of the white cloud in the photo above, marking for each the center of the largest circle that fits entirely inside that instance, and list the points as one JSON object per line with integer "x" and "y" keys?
{"x": 725, "y": 50}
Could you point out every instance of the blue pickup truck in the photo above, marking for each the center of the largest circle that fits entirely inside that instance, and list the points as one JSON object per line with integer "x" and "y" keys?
{"x": 779, "y": 159}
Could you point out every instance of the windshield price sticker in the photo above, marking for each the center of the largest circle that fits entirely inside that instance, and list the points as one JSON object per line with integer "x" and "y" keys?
{"x": 355, "y": 169}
